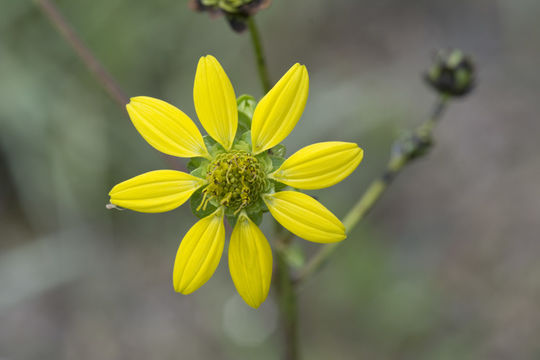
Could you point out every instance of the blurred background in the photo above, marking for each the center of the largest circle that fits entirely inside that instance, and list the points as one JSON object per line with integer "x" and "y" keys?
{"x": 445, "y": 267}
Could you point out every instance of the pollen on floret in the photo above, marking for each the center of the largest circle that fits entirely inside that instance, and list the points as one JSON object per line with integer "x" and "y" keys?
{"x": 236, "y": 179}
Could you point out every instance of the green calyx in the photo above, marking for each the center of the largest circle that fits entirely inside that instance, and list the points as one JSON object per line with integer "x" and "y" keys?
{"x": 236, "y": 180}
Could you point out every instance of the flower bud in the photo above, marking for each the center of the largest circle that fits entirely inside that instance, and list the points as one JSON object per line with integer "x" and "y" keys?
{"x": 235, "y": 11}
{"x": 452, "y": 73}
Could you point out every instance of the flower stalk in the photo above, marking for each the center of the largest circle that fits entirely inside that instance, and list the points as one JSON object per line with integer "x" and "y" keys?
{"x": 259, "y": 55}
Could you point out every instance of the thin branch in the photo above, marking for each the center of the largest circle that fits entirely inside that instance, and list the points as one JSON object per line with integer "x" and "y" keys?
{"x": 404, "y": 152}
{"x": 92, "y": 63}
{"x": 106, "y": 80}
{"x": 259, "y": 54}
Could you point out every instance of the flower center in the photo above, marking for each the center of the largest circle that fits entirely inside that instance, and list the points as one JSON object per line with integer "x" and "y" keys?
{"x": 235, "y": 180}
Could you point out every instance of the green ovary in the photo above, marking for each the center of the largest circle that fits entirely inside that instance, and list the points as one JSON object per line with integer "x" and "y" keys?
{"x": 235, "y": 180}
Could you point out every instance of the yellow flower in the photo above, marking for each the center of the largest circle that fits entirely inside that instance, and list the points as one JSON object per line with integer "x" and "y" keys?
{"x": 237, "y": 175}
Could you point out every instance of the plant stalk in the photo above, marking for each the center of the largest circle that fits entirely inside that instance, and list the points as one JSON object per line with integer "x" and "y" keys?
{"x": 259, "y": 55}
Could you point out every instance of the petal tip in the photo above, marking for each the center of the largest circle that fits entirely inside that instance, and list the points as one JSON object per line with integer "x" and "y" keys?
{"x": 129, "y": 105}
{"x": 254, "y": 305}
{"x": 181, "y": 289}
{"x": 134, "y": 100}
{"x": 340, "y": 238}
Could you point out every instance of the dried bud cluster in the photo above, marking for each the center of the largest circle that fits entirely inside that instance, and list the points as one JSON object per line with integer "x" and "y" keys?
{"x": 452, "y": 73}
{"x": 235, "y": 11}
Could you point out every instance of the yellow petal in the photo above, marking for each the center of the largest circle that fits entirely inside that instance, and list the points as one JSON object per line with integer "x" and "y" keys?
{"x": 199, "y": 253}
{"x": 166, "y": 127}
{"x": 155, "y": 191}
{"x": 250, "y": 261}
{"x": 278, "y": 111}
{"x": 215, "y": 101}
{"x": 319, "y": 165}
{"x": 305, "y": 217}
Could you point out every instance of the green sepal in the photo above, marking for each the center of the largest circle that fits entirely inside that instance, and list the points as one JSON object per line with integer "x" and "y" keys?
{"x": 194, "y": 163}
{"x": 200, "y": 172}
{"x": 276, "y": 162}
{"x": 276, "y": 156}
{"x": 244, "y": 123}
{"x": 214, "y": 148}
{"x": 246, "y": 138}
{"x": 279, "y": 150}
{"x": 278, "y": 186}
{"x": 256, "y": 217}
{"x": 246, "y": 107}
{"x": 265, "y": 161}
{"x": 198, "y": 167}
{"x": 243, "y": 142}
{"x": 196, "y": 200}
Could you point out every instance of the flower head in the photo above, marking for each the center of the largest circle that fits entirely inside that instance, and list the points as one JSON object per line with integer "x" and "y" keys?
{"x": 237, "y": 172}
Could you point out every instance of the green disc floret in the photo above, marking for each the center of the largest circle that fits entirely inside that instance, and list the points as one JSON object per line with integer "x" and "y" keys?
{"x": 236, "y": 179}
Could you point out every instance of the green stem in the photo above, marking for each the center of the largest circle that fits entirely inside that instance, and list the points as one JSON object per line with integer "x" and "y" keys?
{"x": 287, "y": 301}
{"x": 417, "y": 145}
{"x": 259, "y": 55}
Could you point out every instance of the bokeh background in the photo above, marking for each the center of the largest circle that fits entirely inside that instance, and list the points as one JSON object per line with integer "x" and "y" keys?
{"x": 445, "y": 267}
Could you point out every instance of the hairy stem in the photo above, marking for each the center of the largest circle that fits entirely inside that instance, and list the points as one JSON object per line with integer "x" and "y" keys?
{"x": 259, "y": 55}
{"x": 107, "y": 81}
{"x": 416, "y": 145}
